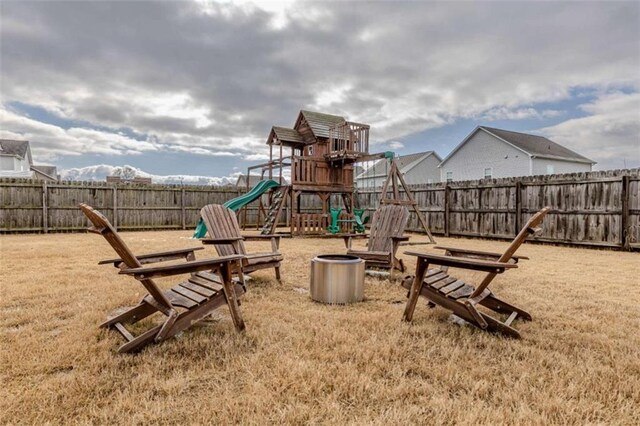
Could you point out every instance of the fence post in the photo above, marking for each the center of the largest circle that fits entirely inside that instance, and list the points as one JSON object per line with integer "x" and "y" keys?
{"x": 518, "y": 206}
{"x": 446, "y": 209}
{"x": 45, "y": 207}
{"x": 624, "y": 219}
{"x": 182, "y": 210}
{"x": 115, "y": 207}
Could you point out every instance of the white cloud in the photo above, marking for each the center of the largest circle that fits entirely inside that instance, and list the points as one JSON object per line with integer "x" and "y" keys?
{"x": 53, "y": 141}
{"x": 212, "y": 78}
{"x": 505, "y": 113}
{"x": 396, "y": 145}
{"x": 610, "y": 134}
{"x": 256, "y": 157}
{"x": 101, "y": 171}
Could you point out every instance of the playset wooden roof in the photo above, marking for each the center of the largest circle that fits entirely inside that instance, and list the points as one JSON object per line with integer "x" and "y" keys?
{"x": 319, "y": 122}
{"x": 285, "y": 136}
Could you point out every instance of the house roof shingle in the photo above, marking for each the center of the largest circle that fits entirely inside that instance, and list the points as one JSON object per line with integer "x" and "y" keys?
{"x": 253, "y": 180}
{"x": 47, "y": 170}
{"x": 404, "y": 162}
{"x": 537, "y": 146}
{"x": 14, "y": 147}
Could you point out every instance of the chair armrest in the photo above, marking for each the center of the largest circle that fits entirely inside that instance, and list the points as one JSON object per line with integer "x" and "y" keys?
{"x": 275, "y": 240}
{"x": 260, "y": 237}
{"x": 162, "y": 256}
{"x": 348, "y": 237}
{"x": 146, "y": 272}
{"x": 479, "y": 253}
{"x": 463, "y": 262}
{"x": 227, "y": 240}
{"x": 403, "y": 238}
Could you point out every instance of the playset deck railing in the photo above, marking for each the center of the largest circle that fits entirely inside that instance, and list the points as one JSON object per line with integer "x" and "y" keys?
{"x": 310, "y": 223}
{"x": 317, "y": 172}
{"x": 317, "y": 223}
{"x": 305, "y": 171}
{"x": 348, "y": 138}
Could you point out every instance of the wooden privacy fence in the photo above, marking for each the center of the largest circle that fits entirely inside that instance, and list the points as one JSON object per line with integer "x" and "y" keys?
{"x": 36, "y": 206}
{"x": 597, "y": 208}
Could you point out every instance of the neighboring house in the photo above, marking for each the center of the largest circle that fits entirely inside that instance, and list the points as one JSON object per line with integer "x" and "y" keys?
{"x": 254, "y": 179}
{"x": 421, "y": 167}
{"x": 242, "y": 180}
{"x": 495, "y": 153}
{"x": 16, "y": 161}
{"x": 45, "y": 172}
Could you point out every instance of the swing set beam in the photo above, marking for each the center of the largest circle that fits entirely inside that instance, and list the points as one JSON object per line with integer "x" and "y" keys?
{"x": 395, "y": 198}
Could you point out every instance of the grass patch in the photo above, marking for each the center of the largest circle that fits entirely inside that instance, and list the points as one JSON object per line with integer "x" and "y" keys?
{"x": 303, "y": 362}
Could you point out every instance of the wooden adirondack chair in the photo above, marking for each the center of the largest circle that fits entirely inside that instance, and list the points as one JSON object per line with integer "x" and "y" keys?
{"x": 385, "y": 235}
{"x": 224, "y": 233}
{"x": 199, "y": 295}
{"x": 461, "y": 298}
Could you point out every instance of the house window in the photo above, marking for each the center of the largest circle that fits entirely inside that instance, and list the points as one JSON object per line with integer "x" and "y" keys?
{"x": 488, "y": 173}
{"x": 449, "y": 176}
{"x": 550, "y": 169}
{"x": 310, "y": 150}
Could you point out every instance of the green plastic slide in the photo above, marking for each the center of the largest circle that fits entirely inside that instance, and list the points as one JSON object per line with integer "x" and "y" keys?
{"x": 263, "y": 186}
{"x": 237, "y": 203}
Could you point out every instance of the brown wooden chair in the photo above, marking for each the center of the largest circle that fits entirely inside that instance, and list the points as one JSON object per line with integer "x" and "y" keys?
{"x": 224, "y": 233}
{"x": 454, "y": 294}
{"x": 385, "y": 235}
{"x": 198, "y": 296}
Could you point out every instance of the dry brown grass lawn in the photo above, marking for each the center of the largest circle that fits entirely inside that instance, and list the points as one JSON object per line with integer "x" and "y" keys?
{"x": 303, "y": 362}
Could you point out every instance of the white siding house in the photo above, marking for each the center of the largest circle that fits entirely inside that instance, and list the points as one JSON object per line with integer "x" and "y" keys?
{"x": 16, "y": 162}
{"x": 497, "y": 153}
{"x": 15, "y": 159}
{"x": 421, "y": 167}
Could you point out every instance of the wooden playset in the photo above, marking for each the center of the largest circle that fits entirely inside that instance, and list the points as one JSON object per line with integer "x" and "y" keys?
{"x": 324, "y": 150}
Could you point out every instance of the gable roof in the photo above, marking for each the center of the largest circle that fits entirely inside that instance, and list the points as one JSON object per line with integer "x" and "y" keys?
{"x": 405, "y": 163}
{"x": 535, "y": 146}
{"x": 319, "y": 122}
{"x": 51, "y": 171}
{"x": 538, "y": 146}
{"x": 15, "y": 147}
{"x": 253, "y": 180}
{"x": 285, "y": 135}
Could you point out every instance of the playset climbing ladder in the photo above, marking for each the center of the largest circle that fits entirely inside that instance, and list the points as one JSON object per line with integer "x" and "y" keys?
{"x": 275, "y": 208}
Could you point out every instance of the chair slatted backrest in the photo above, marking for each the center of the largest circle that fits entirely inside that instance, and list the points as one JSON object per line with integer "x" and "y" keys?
{"x": 388, "y": 221}
{"x": 221, "y": 222}
{"x": 102, "y": 226}
{"x": 527, "y": 229}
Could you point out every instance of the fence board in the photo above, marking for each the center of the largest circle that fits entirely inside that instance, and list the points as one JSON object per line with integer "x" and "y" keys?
{"x": 597, "y": 208}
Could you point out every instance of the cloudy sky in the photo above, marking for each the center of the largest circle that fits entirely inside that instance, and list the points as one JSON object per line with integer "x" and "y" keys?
{"x": 193, "y": 87}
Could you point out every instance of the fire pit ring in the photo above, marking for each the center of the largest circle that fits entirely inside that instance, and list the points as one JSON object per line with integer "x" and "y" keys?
{"x": 337, "y": 279}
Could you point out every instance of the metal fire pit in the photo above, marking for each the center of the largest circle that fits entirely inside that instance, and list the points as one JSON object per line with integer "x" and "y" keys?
{"x": 337, "y": 278}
